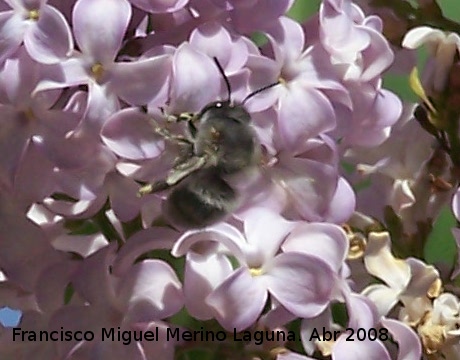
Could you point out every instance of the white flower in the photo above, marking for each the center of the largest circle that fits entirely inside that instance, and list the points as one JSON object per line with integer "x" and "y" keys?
{"x": 442, "y": 47}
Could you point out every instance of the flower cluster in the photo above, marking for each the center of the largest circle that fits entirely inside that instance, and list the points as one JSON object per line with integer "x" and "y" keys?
{"x": 104, "y": 106}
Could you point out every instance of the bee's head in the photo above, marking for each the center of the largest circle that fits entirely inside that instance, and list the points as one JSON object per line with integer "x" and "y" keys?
{"x": 226, "y": 109}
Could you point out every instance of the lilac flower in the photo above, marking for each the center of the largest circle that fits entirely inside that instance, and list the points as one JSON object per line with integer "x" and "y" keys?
{"x": 304, "y": 111}
{"x": 248, "y": 16}
{"x": 399, "y": 174}
{"x": 395, "y": 170}
{"x": 367, "y": 54}
{"x": 262, "y": 271}
{"x": 44, "y": 30}
{"x": 438, "y": 329}
{"x": 362, "y": 315}
{"x": 99, "y": 41}
{"x": 32, "y": 133}
{"x": 442, "y": 47}
{"x": 136, "y": 299}
{"x": 359, "y": 62}
{"x": 304, "y": 184}
{"x": 59, "y": 236}
{"x": 23, "y": 267}
{"x": 409, "y": 281}
{"x": 81, "y": 127}
{"x": 158, "y": 6}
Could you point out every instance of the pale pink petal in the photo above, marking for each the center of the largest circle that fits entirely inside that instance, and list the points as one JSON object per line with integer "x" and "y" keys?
{"x": 310, "y": 293}
{"x": 381, "y": 263}
{"x": 422, "y": 278}
{"x": 143, "y": 81}
{"x": 71, "y": 72}
{"x": 211, "y": 238}
{"x": 361, "y": 311}
{"x": 84, "y": 245}
{"x": 12, "y": 29}
{"x": 202, "y": 275}
{"x": 196, "y": 80}
{"x": 420, "y": 35}
{"x": 295, "y": 125}
{"x": 143, "y": 241}
{"x": 163, "y": 6}
{"x": 266, "y": 230}
{"x": 214, "y": 40}
{"x": 123, "y": 194}
{"x": 19, "y": 88}
{"x": 102, "y": 103}
{"x": 234, "y": 311}
{"x": 92, "y": 280}
{"x": 150, "y": 290}
{"x": 309, "y": 184}
{"x": 377, "y": 58}
{"x": 49, "y": 40}
{"x": 359, "y": 350}
{"x": 34, "y": 176}
{"x": 342, "y": 204}
{"x": 19, "y": 233}
{"x": 13, "y": 141}
{"x": 158, "y": 350}
{"x": 129, "y": 133}
{"x": 407, "y": 339}
{"x": 308, "y": 326}
{"x": 99, "y": 27}
{"x": 456, "y": 205}
{"x": 276, "y": 317}
{"x": 52, "y": 281}
{"x": 326, "y": 241}
{"x": 384, "y": 298}
{"x": 74, "y": 318}
{"x": 82, "y": 208}
{"x": 289, "y": 37}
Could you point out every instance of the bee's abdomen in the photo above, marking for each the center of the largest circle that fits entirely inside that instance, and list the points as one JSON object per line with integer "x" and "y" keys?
{"x": 200, "y": 201}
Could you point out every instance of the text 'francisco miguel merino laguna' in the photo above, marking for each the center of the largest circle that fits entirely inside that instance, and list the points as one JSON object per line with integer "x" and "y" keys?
{"x": 168, "y": 334}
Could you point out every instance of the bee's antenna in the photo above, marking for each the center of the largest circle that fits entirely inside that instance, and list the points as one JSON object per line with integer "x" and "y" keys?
{"x": 259, "y": 91}
{"x": 227, "y": 83}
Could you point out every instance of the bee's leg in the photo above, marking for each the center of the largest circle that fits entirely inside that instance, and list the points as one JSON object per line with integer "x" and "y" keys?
{"x": 185, "y": 168}
{"x": 153, "y": 188}
{"x": 192, "y": 128}
{"x": 181, "y": 117}
{"x": 175, "y": 176}
{"x": 185, "y": 152}
{"x": 166, "y": 134}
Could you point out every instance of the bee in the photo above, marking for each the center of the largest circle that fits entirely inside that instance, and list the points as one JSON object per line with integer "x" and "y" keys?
{"x": 222, "y": 143}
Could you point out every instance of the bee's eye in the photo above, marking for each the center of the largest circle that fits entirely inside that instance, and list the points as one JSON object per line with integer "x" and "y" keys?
{"x": 218, "y": 105}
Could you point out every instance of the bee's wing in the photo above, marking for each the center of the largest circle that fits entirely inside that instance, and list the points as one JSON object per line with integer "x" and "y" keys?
{"x": 184, "y": 169}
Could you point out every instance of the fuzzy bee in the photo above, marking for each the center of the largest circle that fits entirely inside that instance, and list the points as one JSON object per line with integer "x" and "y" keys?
{"x": 222, "y": 143}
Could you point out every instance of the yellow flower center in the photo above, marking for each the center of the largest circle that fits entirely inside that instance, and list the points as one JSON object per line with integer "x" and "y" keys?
{"x": 281, "y": 81}
{"x": 256, "y": 272}
{"x": 33, "y": 15}
{"x": 97, "y": 70}
{"x": 29, "y": 114}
